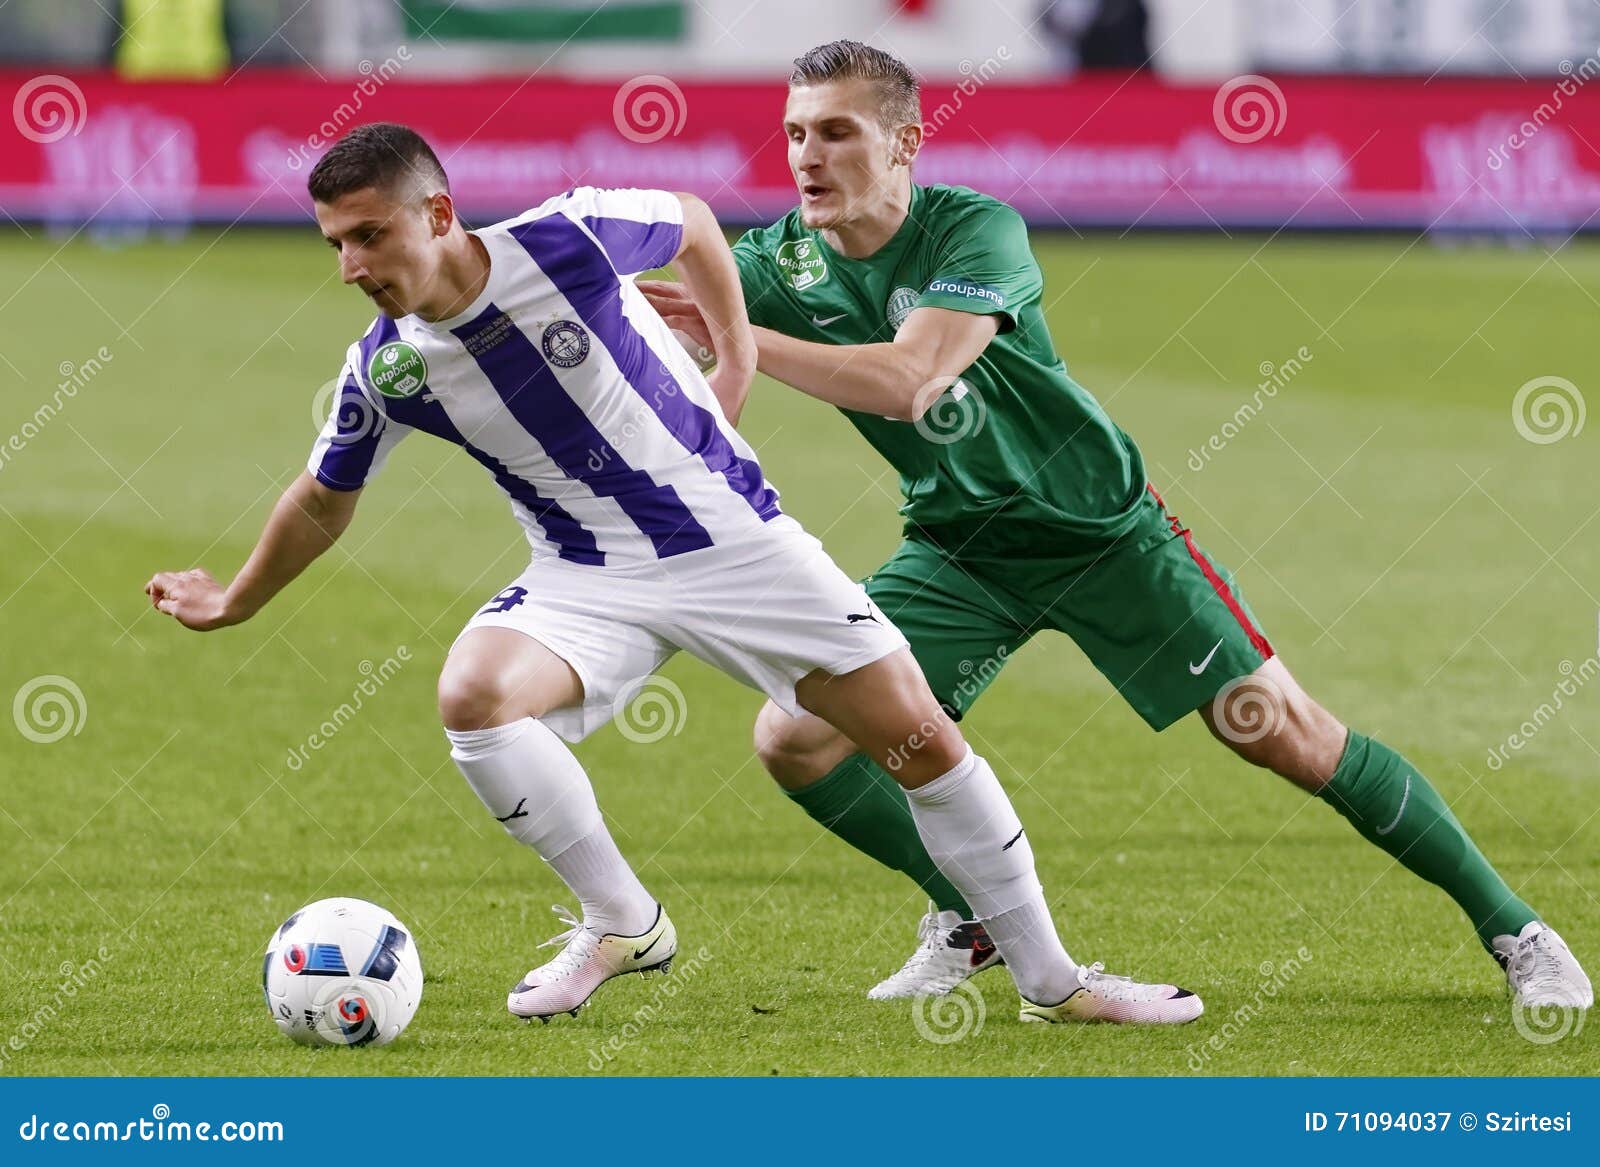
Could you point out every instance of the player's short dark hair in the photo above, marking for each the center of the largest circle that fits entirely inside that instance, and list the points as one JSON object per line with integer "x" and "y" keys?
{"x": 899, "y": 103}
{"x": 382, "y": 155}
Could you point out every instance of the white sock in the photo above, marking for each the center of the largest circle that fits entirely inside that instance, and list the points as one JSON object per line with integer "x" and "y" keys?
{"x": 533, "y": 784}
{"x": 1044, "y": 972}
{"x": 974, "y": 836}
{"x": 613, "y": 899}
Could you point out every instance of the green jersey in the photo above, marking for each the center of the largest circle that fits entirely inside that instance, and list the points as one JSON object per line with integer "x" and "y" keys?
{"x": 1014, "y": 438}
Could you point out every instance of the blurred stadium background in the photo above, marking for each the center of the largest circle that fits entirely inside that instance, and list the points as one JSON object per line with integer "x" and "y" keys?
{"x": 1449, "y": 114}
{"x": 1325, "y": 260}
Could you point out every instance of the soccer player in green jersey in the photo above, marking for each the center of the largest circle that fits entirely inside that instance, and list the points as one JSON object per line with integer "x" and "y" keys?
{"x": 917, "y": 312}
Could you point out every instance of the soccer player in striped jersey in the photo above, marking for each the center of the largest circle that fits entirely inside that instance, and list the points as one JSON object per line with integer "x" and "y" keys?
{"x": 918, "y": 312}
{"x": 652, "y": 528}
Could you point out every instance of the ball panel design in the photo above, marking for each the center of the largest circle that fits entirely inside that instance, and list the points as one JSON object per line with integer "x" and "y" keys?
{"x": 311, "y": 991}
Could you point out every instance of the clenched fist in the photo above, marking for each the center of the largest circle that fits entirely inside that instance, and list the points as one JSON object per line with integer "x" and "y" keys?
{"x": 192, "y": 598}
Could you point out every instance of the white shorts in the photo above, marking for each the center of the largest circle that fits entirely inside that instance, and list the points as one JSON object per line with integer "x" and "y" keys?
{"x": 766, "y": 611}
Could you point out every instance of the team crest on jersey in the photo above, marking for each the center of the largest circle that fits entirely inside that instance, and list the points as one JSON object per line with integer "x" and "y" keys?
{"x": 397, "y": 369}
{"x": 565, "y": 343}
{"x": 901, "y": 301}
{"x": 802, "y": 264}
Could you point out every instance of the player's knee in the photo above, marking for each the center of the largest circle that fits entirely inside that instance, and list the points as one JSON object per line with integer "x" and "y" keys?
{"x": 1292, "y": 736}
{"x": 796, "y": 751}
{"x": 474, "y": 698}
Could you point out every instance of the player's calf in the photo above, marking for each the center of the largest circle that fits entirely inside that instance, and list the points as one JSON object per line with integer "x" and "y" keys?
{"x": 1269, "y": 720}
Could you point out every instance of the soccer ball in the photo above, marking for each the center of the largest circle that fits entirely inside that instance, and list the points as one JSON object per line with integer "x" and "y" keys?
{"x": 342, "y": 972}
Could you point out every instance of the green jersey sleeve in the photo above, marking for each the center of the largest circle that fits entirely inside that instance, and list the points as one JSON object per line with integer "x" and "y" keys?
{"x": 758, "y": 277}
{"x": 985, "y": 265}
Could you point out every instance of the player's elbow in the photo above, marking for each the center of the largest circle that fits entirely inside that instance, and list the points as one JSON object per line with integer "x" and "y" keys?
{"x": 918, "y": 388}
{"x": 699, "y": 224}
{"x": 331, "y": 510}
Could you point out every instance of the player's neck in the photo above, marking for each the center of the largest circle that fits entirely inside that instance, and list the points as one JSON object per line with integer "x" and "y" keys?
{"x": 866, "y": 234}
{"x": 461, "y": 280}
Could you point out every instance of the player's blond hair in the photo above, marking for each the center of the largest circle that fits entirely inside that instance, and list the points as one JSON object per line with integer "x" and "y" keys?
{"x": 899, "y": 99}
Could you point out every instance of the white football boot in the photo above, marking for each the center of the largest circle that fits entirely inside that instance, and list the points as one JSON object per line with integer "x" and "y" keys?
{"x": 1102, "y": 997}
{"x": 949, "y": 950}
{"x": 1541, "y": 969}
{"x": 587, "y": 961}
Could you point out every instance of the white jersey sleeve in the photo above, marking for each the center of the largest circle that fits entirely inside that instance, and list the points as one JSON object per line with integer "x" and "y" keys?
{"x": 637, "y": 229}
{"x": 356, "y": 438}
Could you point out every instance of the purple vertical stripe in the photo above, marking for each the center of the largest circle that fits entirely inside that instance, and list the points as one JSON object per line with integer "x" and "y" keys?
{"x": 539, "y": 402}
{"x": 574, "y": 264}
{"x": 634, "y": 246}
{"x": 348, "y": 460}
{"x": 573, "y": 541}
{"x": 378, "y": 336}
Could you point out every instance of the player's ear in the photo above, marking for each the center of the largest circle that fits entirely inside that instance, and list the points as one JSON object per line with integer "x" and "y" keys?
{"x": 906, "y": 143}
{"x": 441, "y": 213}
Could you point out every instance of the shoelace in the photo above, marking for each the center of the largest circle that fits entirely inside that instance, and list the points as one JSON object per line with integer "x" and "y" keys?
{"x": 1110, "y": 986}
{"x": 575, "y": 952}
{"x": 927, "y": 945}
{"x": 1535, "y": 964}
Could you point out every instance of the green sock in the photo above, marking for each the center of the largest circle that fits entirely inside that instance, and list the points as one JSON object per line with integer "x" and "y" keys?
{"x": 867, "y": 809}
{"x": 1394, "y": 807}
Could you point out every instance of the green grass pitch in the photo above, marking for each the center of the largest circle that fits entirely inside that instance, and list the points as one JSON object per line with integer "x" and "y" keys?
{"x": 1424, "y": 569}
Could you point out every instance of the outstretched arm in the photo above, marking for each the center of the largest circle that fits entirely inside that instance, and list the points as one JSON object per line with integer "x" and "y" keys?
{"x": 899, "y": 379}
{"x": 711, "y": 278}
{"x": 306, "y": 521}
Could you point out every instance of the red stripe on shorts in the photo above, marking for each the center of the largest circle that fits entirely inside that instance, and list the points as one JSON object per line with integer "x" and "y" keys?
{"x": 1258, "y": 640}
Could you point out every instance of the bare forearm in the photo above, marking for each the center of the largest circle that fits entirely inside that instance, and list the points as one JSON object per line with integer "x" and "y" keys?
{"x": 305, "y": 523}
{"x": 711, "y": 278}
{"x": 871, "y": 378}
{"x": 900, "y": 379}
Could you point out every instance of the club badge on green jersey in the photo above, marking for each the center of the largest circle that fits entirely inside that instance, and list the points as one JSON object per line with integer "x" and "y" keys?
{"x": 802, "y": 264}
{"x": 901, "y": 301}
{"x": 397, "y": 369}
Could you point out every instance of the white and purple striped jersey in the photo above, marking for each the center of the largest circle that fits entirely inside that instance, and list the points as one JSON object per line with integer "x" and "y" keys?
{"x": 567, "y": 386}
